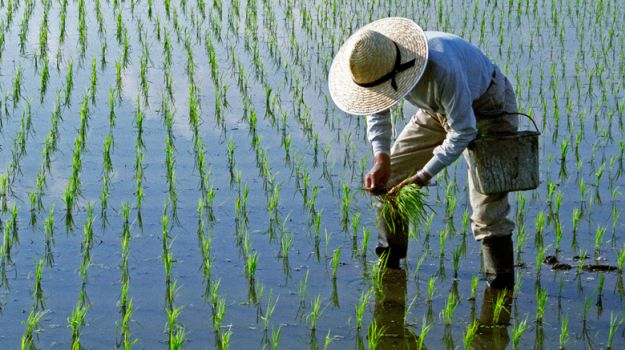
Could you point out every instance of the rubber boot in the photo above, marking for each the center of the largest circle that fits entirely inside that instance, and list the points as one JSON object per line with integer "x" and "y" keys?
{"x": 498, "y": 258}
{"x": 392, "y": 239}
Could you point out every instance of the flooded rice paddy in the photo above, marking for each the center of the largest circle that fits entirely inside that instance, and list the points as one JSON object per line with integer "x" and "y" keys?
{"x": 173, "y": 174}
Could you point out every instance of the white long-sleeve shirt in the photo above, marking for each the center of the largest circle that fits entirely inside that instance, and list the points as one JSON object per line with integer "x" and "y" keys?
{"x": 457, "y": 73}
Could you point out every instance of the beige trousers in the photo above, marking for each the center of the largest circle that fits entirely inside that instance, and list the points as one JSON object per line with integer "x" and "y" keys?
{"x": 426, "y": 130}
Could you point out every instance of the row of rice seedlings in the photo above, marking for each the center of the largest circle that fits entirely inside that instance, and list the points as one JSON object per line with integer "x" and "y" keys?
{"x": 125, "y": 339}
{"x": 36, "y": 313}
{"x": 219, "y": 307}
{"x": 170, "y": 174}
{"x": 43, "y": 31}
{"x": 82, "y": 27}
{"x": 144, "y": 83}
{"x": 77, "y": 319}
{"x": 139, "y": 157}
{"x": 107, "y": 160}
{"x": 62, "y": 21}
{"x": 72, "y": 190}
{"x": 24, "y": 25}
{"x": 5, "y": 255}
{"x": 45, "y": 76}
{"x": 48, "y": 228}
{"x": 286, "y": 238}
{"x": 251, "y": 260}
{"x": 49, "y": 148}
{"x": 205, "y": 243}
{"x": 17, "y": 152}
{"x": 175, "y": 331}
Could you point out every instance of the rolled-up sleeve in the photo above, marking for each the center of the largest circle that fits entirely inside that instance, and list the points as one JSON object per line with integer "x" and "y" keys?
{"x": 456, "y": 102}
{"x": 379, "y": 132}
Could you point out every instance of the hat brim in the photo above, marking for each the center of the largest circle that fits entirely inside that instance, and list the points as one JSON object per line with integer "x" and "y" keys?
{"x": 354, "y": 99}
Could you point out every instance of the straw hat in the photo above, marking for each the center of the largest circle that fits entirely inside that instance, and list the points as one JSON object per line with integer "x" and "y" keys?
{"x": 366, "y": 77}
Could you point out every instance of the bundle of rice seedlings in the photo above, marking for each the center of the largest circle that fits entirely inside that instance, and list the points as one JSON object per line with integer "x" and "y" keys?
{"x": 404, "y": 206}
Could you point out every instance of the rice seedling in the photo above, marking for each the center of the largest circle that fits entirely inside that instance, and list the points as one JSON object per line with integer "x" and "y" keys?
{"x": 315, "y": 312}
{"x": 224, "y": 341}
{"x": 69, "y": 82}
{"x": 251, "y": 262}
{"x": 366, "y": 234}
{"x": 45, "y": 76}
{"x": 447, "y": 313}
{"x": 377, "y": 272}
{"x": 361, "y": 308}
{"x": 442, "y": 241}
{"x": 271, "y": 306}
{"x": 558, "y": 234}
{"x": 470, "y": 333}
{"x": 17, "y": 86}
{"x": 500, "y": 306}
{"x": 49, "y": 236}
{"x": 76, "y": 321}
{"x": 615, "y": 323}
{"x": 564, "y": 331}
{"x": 82, "y": 27}
{"x": 4, "y": 191}
{"x": 275, "y": 337}
{"x": 406, "y": 205}
{"x": 540, "y": 225}
{"x": 175, "y": 332}
{"x": 431, "y": 290}
{"x": 599, "y": 233}
{"x": 219, "y": 310}
{"x": 425, "y": 329}
{"x": 600, "y": 288}
{"x": 465, "y": 221}
{"x": 335, "y": 262}
{"x": 93, "y": 80}
{"x": 375, "y": 334}
{"x": 286, "y": 242}
{"x": 37, "y": 288}
{"x": 32, "y": 328}
{"x": 302, "y": 289}
{"x": 540, "y": 254}
{"x": 517, "y": 333}
{"x": 474, "y": 283}
{"x": 346, "y": 203}
{"x": 541, "y": 303}
{"x": 7, "y": 245}
{"x": 126, "y": 49}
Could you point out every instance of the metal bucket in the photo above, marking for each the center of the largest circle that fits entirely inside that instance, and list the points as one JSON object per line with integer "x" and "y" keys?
{"x": 504, "y": 162}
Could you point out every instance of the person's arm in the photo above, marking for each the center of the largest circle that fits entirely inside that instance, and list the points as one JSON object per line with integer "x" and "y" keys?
{"x": 379, "y": 133}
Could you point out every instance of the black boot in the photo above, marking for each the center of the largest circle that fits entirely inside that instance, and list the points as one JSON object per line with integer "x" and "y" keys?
{"x": 499, "y": 262}
{"x": 392, "y": 240}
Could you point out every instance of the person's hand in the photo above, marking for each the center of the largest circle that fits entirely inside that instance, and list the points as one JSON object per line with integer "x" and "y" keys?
{"x": 421, "y": 178}
{"x": 377, "y": 177}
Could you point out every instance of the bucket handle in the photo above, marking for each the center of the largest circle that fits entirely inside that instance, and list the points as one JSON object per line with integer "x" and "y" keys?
{"x": 499, "y": 114}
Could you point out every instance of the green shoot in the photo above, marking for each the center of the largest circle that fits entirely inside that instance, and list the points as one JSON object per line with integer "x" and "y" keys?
{"x": 470, "y": 333}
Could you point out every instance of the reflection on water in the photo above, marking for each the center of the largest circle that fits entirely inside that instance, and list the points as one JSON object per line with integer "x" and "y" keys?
{"x": 390, "y": 314}
{"x": 494, "y": 320}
